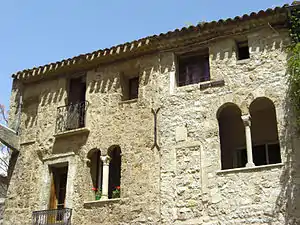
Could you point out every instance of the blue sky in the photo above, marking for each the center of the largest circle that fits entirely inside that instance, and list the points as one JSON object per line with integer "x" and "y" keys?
{"x": 36, "y": 32}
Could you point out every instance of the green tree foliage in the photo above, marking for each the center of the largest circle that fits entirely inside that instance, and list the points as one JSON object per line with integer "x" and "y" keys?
{"x": 294, "y": 62}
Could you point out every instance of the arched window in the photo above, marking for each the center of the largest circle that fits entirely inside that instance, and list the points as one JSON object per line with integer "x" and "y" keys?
{"x": 265, "y": 144}
{"x": 95, "y": 168}
{"x": 232, "y": 136}
{"x": 114, "y": 172}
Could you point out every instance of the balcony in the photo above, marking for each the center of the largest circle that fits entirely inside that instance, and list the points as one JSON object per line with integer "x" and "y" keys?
{"x": 71, "y": 117}
{"x": 52, "y": 217}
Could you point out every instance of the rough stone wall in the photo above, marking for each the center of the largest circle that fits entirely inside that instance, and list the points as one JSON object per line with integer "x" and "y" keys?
{"x": 180, "y": 183}
{"x": 193, "y": 191}
{"x": 111, "y": 122}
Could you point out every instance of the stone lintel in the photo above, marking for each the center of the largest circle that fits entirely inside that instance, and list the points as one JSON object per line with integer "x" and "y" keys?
{"x": 9, "y": 138}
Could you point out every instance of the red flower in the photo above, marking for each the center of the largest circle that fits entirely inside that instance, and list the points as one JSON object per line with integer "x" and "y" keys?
{"x": 118, "y": 187}
{"x": 94, "y": 189}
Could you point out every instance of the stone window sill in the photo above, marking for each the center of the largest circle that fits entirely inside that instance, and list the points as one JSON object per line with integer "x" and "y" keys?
{"x": 72, "y": 132}
{"x": 128, "y": 101}
{"x": 27, "y": 142}
{"x": 202, "y": 85}
{"x": 243, "y": 61}
{"x": 246, "y": 169}
{"x": 212, "y": 83}
{"x": 98, "y": 203}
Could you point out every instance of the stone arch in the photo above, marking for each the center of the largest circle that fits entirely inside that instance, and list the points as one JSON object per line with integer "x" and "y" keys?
{"x": 95, "y": 165}
{"x": 264, "y": 132}
{"x": 115, "y": 153}
{"x": 232, "y": 136}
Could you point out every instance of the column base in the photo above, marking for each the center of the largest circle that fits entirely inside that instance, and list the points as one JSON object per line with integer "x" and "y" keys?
{"x": 250, "y": 164}
{"x": 103, "y": 197}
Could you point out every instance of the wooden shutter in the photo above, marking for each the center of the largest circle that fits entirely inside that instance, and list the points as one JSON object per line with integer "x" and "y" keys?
{"x": 53, "y": 199}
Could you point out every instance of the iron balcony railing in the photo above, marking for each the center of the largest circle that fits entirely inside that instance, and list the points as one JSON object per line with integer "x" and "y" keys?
{"x": 71, "y": 116}
{"x": 52, "y": 217}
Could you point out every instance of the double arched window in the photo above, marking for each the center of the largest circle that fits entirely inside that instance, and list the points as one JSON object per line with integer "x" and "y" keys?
{"x": 105, "y": 172}
{"x": 114, "y": 153}
{"x": 264, "y": 135}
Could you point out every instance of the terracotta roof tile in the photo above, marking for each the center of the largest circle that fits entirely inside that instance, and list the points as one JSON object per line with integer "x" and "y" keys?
{"x": 144, "y": 42}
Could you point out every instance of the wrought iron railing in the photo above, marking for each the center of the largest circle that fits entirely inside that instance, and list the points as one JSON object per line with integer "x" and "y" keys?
{"x": 52, "y": 217}
{"x": 71, "y": 116}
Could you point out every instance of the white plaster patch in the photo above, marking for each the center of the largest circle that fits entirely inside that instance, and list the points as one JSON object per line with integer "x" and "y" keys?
{"x": 181, "y": 133}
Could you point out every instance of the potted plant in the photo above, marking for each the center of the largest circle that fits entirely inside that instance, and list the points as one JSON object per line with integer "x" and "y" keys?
{"x": 98, "y": 193}
{"x": 116, "y": 192}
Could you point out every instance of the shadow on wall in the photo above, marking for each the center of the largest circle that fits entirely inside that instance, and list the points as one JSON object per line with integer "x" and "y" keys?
{"x": 69, "y": 144}
{"x": 256, "y": 46}
{"x": 106, "y": 84}
{"x": 50, "y": 97}
{"x": 288, "y": 200}
{"x": 103, "y": 84}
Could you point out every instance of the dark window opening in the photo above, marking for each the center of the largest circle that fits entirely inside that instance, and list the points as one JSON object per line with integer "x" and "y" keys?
{"x": 232, "y": 136}
{"x": 130, "y": 87}
{"x": 77, "y": 89}
{"x": 264, "y": 132}
{"x": 76, "y": 103}
{"x": 266, "y": 154}
{"x": 241, "y": 158}
{"x": 133, "y": 87}
{"x": 243, "y": 50}
{"x": 193, "y": 69}
{"x": 114, "y": 171}
{"x": 58, "y": 187}
{"x": 96, "y": 171}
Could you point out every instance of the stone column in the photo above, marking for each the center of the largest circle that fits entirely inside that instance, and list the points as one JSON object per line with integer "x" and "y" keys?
{"x": 105, "y": 178}
{"x": 247, "y": 123}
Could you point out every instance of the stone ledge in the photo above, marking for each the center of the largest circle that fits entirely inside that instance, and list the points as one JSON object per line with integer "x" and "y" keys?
{"x": 188, "y": 144}
{"x": 72, "y": 132}
{"x": 97, "y": 203}
{"x": 128, "y": 101}
{"x": 212, "y": 83}
{"x": 247, "y": 169}
{"x": 58, "y": 156}
{"x": 28, "y": 142}
{"x": 243, "y": 61}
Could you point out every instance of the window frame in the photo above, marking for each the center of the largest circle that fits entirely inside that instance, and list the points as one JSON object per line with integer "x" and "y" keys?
{"x": 130, "y": 85}
{"x": 266, "y": 150}
{"x": 125, "y": 85}
{"x": 242, "y": 44}
{"x": 202, "y": 53}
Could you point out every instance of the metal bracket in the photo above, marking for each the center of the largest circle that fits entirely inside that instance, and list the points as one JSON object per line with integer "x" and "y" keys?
{"x": 155, "y": 112}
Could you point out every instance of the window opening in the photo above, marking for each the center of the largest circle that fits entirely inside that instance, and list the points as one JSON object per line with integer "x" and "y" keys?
{"x": 264, "y": 133}
{"x": 58, "y": 187}
{"x": 243, "y": 50}
{"x": 193, "y": 69}
{"x": 232, "y": 136}
{"x": 76, "y": 103}
{"x": 114, "y": 172}
{"x": 133, "y": 88}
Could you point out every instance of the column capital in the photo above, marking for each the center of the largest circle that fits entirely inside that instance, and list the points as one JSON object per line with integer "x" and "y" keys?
{"x": 246, "y": 120}
{"x": 105, "y": 159}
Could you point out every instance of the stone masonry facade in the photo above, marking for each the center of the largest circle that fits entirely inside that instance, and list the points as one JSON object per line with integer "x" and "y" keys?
{"x": 180, "y": 180}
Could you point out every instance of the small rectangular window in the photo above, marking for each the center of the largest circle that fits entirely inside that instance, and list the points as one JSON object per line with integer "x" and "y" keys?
{"x": 193, "y": 69}
{"x": 130, "y": 87}
{"x": 133, "y": 88}
{"x": 243, "y": 50}
{"x": 77, "y": 89}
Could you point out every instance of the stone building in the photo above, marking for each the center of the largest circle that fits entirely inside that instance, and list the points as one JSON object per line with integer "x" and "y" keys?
{"x": 191, "y": 126}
